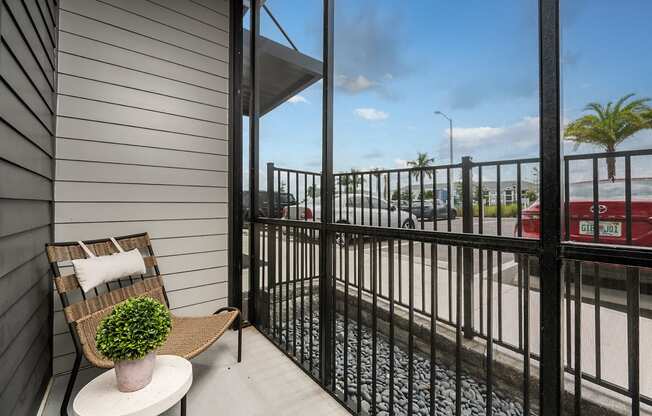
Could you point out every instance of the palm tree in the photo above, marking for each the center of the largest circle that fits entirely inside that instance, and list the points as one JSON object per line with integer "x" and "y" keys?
{"x": 421, "y": 162}
{"x": 610, "y": 125}
{"x": 351, "y": 180}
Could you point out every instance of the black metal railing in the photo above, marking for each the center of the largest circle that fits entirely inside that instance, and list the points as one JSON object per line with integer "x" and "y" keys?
{"x": 622, "y": 158}
{"x": 386, "y": 315}
{"x": 389, "y": 275}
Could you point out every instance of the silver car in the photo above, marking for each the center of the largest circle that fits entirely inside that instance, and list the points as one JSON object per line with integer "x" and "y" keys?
{"x": 354, "y": 209}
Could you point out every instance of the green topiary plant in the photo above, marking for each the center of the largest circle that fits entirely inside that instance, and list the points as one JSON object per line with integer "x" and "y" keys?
{"x": 134, "y": 328}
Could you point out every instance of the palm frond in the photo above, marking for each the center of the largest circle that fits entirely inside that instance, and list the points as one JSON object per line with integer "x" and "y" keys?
{"x": 610, "y": 124}
{"x": 621, "y": 101}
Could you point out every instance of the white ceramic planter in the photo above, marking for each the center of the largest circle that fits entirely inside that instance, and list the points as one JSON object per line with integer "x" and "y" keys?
{"x": 133, "y": 375}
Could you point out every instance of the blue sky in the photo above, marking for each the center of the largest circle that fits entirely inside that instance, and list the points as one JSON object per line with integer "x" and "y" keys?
{"x": 476, "y": 60}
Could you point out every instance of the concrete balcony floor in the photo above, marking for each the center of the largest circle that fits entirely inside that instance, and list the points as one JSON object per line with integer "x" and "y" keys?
{"x": 266, "y": 382}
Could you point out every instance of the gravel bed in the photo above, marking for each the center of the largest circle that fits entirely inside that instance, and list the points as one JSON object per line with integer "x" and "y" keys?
{"x": 473, "y": 391}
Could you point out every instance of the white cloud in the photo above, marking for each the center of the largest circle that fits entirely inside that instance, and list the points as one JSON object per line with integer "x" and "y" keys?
{"x": 354, "y": 84}
{"x": 371, "y": 114}
{"x": 401, "y": 163}
{"x": 298, "y": 99}
{"x": 520, "y": 139}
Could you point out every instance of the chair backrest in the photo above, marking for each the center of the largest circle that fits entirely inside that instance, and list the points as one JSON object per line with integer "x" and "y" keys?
{"x": 77, "y": 304}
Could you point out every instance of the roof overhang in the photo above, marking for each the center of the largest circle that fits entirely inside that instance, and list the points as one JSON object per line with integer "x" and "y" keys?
{"x": 284, "y": 72}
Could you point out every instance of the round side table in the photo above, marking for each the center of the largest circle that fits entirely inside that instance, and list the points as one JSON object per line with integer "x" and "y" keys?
{"x": 170, "y": 382}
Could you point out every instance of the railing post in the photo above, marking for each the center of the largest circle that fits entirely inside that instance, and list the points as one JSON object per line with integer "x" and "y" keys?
{"x": 271, "y": 204}
{"x": 254, "y": 109}
{"x": 467, "y": 227}
{"x": 551, "y": 368}
{"x": 235, "y": 157}
{"x": 326, "y": 302}
{"x": 633, "y": 337}
{"x": 271, "y": 249}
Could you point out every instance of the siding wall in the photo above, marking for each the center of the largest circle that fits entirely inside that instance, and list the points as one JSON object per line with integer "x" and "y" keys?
{"x": 27, "y": 79}
{"x": 142, "y": 139}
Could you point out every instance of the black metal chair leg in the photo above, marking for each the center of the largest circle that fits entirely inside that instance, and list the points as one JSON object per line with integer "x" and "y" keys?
{"x": 239, "y": 340}
{"x": 183, "y": 406}
{"x": 71, "y": 385}
{"x": 237, "y": 323}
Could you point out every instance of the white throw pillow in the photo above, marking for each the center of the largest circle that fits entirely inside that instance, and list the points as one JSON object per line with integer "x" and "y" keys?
{"x": 96, "y": 270}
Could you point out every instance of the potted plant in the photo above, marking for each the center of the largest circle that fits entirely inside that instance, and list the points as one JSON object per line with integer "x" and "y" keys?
{"x": 130, "y": 335}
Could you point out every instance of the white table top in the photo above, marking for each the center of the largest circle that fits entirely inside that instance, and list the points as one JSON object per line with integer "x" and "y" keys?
{"x": 171, "y": 381}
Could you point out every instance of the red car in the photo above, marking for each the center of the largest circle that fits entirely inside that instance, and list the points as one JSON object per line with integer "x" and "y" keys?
{"x": 612, "y": 213}
{"x": 611, "y": 202}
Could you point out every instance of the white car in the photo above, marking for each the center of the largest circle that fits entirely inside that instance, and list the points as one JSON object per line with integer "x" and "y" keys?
{"x": 355, "y": 209}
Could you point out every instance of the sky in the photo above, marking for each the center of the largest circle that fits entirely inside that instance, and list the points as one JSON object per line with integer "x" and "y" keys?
{"x": 476, "y": 61}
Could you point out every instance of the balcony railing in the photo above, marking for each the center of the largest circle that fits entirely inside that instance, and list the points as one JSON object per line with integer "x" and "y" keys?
{"x": 461, "y": 305}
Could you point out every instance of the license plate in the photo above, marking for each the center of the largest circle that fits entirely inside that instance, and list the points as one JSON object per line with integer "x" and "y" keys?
{"x": 607, "y": 228}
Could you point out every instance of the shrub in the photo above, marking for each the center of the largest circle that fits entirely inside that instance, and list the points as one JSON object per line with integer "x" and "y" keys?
{"x": 134, "y": 328}
{"x": 506, "y": 211}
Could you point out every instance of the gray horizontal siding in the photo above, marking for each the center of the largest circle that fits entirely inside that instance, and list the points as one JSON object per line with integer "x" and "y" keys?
{"x": 110, "y": 73}
{"x": 142, "y": 140}
{"x": 20, "y": 183}
{"x": 90, "y": 109}
{"x": 18, "y": 216}
{"x": 137, "y": 136}
{"x": 27, "y": 63}
{"x": 16, "y": 12}
{"x": 23, "y": 153}
{"x": 86, "y": 150}
{"x": 137, "y": 20}
{"x": 76, "y": 170}
{"x": 93, "y": 27}
{"x": 138, "y": 211}
{"x": 93, "y": 49}
{"x": 137, "y": 98}
{"x": 157, "y": 229}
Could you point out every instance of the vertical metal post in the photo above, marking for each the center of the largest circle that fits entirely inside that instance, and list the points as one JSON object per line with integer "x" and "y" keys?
{"x": 326, "y": 306}
{"x": 271, "y": 200}
{"x": 551, "y": 370}
{"x": 254, "y": 14}
{"x": 577, "y": 361}
{"x": 467, "y": 227}
{"x": 633, "y": 337}
{"x": 450, "y": 138}
{"x": 596, "y": 204}
{"x": 235, "y": 155}
{"x": 628, "y": 199}
{"x": 271, "y": 245}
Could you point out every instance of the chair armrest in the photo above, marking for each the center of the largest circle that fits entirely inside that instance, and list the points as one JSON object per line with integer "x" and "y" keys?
{"x": 227, "y": 308}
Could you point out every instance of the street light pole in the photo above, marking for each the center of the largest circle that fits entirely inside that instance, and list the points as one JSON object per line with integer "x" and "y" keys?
{"x": 450, "y": 137}
{"x": 450, "y": 133}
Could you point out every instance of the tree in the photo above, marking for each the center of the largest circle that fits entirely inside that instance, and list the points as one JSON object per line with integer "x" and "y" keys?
{"x": 406, "y": 195}
{"x": 403, "y": 196}
{"x": 421, "y": 162}
{"x": 312, "y": 192}
{"x": 531, "y": 195}
{"x": 610, "y": 125}
{"x": 351, "y": 181}
{"x": 427, "y": 195}
{"x": 535, "y": 175}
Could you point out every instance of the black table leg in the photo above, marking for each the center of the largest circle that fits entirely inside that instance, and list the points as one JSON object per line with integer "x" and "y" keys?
{"x": 183, "y": 406}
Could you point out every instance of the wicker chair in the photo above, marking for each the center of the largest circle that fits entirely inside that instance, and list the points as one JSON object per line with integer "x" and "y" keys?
{"x": 190, "y": 336}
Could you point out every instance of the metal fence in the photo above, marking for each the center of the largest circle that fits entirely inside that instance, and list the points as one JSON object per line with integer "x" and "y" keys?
{"x": 384, "y": 252}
